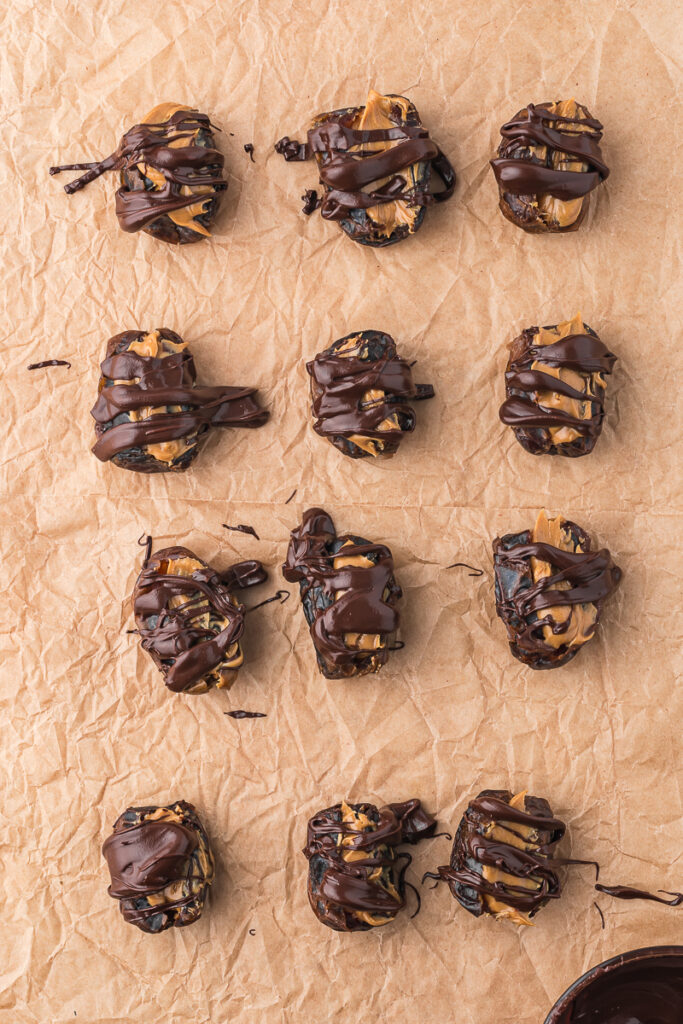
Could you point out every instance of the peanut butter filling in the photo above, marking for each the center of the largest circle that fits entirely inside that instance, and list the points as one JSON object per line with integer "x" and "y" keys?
{"x": 578, "y": 619}
{"x": 223, "y": 674}
{"x": 581, "y": 382}
{"x": 358, "y": 641}
{"x": 522, "y": 838}
{"x": 372, "y": 445}
{"x": 552, "y": 210}
{"x": 185, "y": 216}
{"x": 388, "y": 216}
{"x": 151, "y": 345}
{"x": 359, "y": 822}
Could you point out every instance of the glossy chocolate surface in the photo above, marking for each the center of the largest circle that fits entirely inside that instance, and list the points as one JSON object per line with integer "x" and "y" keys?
{"x": 345, "y": 605}
{"x": 585, "y": 578}
{"x": 642, "y": 986}
{"x": 190, "y": 623}
{"x": 527, "y": 377}
{"x": 151, "y": 415}
{"x": 356, "y": 180}
{"x": 160, "y": 865}
{"x": 356, "y": 878}
{"x": 360, "y": 390}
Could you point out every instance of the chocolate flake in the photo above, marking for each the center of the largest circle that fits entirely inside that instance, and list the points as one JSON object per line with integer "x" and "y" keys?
{"x": 49, "y": 362}
{"x": 310, "y": 201}
{"x": 241, "y": 528}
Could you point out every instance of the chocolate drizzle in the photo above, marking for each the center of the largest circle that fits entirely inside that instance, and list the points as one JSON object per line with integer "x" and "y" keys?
{"x": 516, "y": 173}
{"x": 546, "y": 152}
{"x": 245, "y": 714}
{"x": 577, "y": 578}
{"x": 159, "y": 178}
{"x": 360, "y": 390}
{"x": 154, "y": 849}
{"x": 526, "y": 382}
{"x": 357, "y": 179}
{"x": 242, "y": 528}
{"x": 350, "y": 607}
{"x": 356, "y": 880}
{"x": 146, "y": 402}
{"x": 516, "y": 846}
{"x": 188, "y": 619}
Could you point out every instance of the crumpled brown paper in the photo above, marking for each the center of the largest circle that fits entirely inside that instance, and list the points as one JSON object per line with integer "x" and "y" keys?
{"x": 87, "y": 725}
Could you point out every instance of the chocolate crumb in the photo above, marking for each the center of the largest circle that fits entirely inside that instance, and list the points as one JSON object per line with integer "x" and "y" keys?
{"x": 475, "y": 572}
{"x": 49, "y": 362}
{"x": 241, "y": 528}
{"x": 245, "y": 714}
{"x": 310, "y": 201}
{"x": 249, "y": 148}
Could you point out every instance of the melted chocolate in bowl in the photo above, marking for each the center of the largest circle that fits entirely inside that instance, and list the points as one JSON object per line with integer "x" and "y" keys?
{"x": 643, "y": 986}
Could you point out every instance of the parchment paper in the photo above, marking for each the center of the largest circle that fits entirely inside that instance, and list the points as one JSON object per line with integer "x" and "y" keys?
{"x": 87, "y": 726}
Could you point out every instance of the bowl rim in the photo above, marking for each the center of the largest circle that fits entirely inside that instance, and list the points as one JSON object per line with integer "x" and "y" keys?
{"x": 582, "y": 983}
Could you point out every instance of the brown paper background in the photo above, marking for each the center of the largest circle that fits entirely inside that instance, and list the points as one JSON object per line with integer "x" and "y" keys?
{"x": 87, "y": 727}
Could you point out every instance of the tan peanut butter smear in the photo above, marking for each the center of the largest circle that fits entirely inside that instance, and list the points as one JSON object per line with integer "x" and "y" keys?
{"x": 581, "y": 382}
{"x": 184, "y": 217}
{"x": 375, "y": 115}
{"x": 356, "y": 821}
{"x": 148, "y": 345}
{"x": 522, "y": 837}
{"x": 579, "y": 619}
{"x": 551, "y": 209}
{"x": 372, "y": 445}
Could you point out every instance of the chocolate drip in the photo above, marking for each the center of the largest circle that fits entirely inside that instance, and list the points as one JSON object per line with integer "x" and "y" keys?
{"x": 517, "y": 173}
{"x": 353, "y": 599}
{"x": 245, "y": 714}
{"x": 154, "y": 146}
{"x": 249, "y": 148}
{"x": 626, "y": 892}
{"x": 522, "y": 410}
{"x": 363, "y": 394}
{"x": 168, "y": 383}
{"x": 171, "y": 610}
{"x": 49, "y": 362}
{"x": 340, "y": 889}
{"x": 474, "y": 850}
